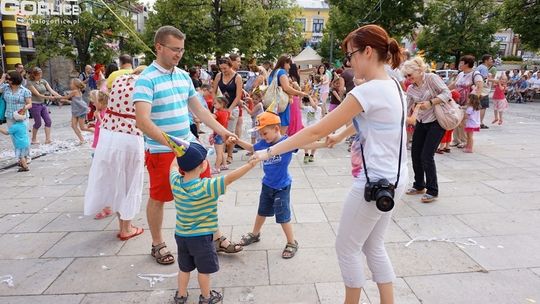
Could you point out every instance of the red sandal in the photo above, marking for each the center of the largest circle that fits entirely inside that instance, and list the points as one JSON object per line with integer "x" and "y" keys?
{"x": 138, "y": 231}
{"x": 105, "y": 212}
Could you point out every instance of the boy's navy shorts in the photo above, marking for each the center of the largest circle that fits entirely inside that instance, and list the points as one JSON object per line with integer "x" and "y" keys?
{"x": 275, "y": 202}
{"x": 197, "y": 252}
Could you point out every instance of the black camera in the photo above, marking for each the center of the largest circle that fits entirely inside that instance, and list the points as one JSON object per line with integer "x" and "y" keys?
{"x": 382, "y": 192}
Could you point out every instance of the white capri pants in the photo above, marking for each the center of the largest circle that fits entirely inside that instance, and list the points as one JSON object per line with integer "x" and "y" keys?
{"x": 361, "y": 229}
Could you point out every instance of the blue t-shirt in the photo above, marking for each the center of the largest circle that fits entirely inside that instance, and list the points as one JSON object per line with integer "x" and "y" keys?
{"x": 276, "y": 169}
{"x": 19, "y": 134}
{"x": 483, "y": 70}
{"x": 279, "y": 72}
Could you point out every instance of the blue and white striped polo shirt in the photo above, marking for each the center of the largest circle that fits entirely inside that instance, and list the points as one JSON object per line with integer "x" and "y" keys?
{"x": 169, "y": 93}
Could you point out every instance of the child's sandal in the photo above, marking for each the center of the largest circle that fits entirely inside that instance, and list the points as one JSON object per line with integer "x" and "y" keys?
{"x": 181, "y": 299}
{"x": 250, "y": 238}
{"x": 232, "y": 248}
{"x": 290, "y": 250}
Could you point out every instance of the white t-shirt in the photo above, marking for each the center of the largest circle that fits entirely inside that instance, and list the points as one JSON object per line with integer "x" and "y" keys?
{"x": 310, "y": 115}
{"x": 379, "y": 129}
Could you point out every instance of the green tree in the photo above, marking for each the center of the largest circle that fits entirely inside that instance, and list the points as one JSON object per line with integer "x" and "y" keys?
{"x": 523, "y": 17}
{"x": 455, "y": 28}
{"x": 217, "y": 27}
{"x": 87, "y": 37}
{"x": 399, "y": 18}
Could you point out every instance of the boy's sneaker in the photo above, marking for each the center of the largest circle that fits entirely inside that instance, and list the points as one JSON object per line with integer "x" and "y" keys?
{"x": 306, "y": 159}
{"x": 311, "y": 159}
{"x": 215, "y": 297}
{"x": 180, "y": 300}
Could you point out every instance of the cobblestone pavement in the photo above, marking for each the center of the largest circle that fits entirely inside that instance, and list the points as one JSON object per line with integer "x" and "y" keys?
{"x": 488, "y": 209}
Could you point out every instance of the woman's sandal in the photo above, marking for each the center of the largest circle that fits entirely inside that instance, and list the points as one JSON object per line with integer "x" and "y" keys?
{"x": 105, "y": 212}
{"x": 439, "y": 151}
{"x": 250, "y": 238}
{"x": 164, "y": 259}
{"x": 290, "y": 250}
{"x": 232, "y": 248}
{"x": 229, "y": 160}
{"x": 447, "y": 150}
{"x": 414, "y": 191}
{"x": 23, "y": 169}
{"x": 427, "y": 198}
{"x": 138, "y": 231}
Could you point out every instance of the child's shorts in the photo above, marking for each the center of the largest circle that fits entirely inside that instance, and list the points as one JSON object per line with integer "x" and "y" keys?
{"x": 218, "y": 140}
{"x": 197, "y": 252}
{"x": 20, "y": 153}
{"x": 275, "y": 202}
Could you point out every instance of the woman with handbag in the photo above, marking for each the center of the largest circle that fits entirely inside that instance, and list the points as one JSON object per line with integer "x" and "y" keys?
{"x": 426, "y": 91}
{"x": 281, "y": 72}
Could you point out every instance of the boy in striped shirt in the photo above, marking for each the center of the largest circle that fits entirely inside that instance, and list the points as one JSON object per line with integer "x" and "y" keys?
{"x": 196, "y": 218}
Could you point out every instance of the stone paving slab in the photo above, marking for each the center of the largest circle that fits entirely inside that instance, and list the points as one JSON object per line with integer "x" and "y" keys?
{"x": 456, "y": 205}
{"x": 516, "y": 201}
{"x": 76, "y": 222}
{"x": 509, "y": 286}
{"x": 27, "y": 245}
{"x": 305, "y": 294}
{"x": 402, "y": 292}
{"x": 35, "y": 223}
{"x": 519, "y": 222}
{"x": 86, "y": 275}
{"x": 56, "y": 299}
{"x": 85, "y": 244}
{"x": 307, "y": 263}
{"x": 158, "y": 296}
{"x": 442, "y": 226}
{"x": 430, "y": 258}
{"x": 329, "y": 292}
{"x": 506, "y": 252}
{"x": 9, "y": 221}
{"x": 27, "y": 205}
{"x": 31, "y": 276}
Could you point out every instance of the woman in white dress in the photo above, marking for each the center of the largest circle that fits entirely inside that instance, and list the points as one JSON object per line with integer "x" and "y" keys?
{"x": 117, "y": 172}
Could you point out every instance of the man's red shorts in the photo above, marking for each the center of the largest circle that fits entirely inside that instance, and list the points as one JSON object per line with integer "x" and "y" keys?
{"x": 158, "y": 166}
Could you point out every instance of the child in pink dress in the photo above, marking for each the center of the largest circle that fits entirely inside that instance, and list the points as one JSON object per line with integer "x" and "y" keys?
{"x": 472, "y": 121}
{"x": 499, "y": 100}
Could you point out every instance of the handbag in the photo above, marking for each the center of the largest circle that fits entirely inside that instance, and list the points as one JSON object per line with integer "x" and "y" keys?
{"x": 449, "y": 114}
{"x": 275, "y": 99}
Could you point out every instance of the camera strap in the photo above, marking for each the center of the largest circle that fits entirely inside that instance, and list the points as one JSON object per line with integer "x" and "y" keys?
{"x": 400, "y": 141}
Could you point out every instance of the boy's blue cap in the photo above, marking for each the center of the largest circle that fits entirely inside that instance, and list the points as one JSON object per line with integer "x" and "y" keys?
{"x": 194, "y": 155}
{"x": 188, "y": 154}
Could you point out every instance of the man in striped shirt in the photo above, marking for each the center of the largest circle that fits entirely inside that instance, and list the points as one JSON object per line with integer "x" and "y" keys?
{"x": 164, "y": 94}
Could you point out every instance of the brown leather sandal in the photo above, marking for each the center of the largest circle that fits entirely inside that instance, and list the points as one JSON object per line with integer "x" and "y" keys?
{"x": 164, "y": 259}
{"x": 232, "y": 248}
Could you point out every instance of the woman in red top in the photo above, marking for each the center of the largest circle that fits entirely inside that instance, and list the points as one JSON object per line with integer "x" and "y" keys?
{"x": 222, "y": 116}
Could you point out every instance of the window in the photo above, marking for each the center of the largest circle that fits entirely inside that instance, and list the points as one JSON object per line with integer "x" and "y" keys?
{"x": 318, "y": 25}
{"x": 302, "y": 21}
{"x": 21, "y": 33}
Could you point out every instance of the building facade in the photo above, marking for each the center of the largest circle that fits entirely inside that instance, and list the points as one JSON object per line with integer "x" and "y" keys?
{"x": 313, "y": 18}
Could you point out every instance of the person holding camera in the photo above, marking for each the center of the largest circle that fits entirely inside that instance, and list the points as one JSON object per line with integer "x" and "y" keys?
{"x": 377, "y": 110}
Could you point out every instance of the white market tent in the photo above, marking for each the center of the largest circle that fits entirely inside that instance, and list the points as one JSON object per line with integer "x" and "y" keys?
{"x": 307, "y": 57}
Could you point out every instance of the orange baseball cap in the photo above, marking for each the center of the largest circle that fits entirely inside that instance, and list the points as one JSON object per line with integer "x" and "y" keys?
{"x": 266, "y": 119}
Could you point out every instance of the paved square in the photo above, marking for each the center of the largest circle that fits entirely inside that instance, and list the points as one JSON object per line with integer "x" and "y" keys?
{"x": 486, "y": 222}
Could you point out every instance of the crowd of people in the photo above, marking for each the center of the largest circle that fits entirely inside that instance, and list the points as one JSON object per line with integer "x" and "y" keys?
{"x": 381, "y": 101}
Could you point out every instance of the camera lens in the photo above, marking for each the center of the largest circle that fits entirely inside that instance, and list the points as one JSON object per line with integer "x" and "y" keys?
{"x": 384, "y": 200}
